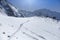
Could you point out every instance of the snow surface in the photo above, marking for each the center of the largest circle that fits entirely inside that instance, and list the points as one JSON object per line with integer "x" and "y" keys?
{"x": 33, "y": 28}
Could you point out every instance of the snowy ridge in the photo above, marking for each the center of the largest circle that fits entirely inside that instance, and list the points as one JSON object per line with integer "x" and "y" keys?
{"x": 10, "y": 10}
{"x": 31, "y": 28}
{"x": 2, "y": 12}
{"x": 15, "y": 10}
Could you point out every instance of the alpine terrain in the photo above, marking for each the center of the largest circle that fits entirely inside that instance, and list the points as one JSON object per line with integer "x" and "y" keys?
{"x": 15, "y": 24}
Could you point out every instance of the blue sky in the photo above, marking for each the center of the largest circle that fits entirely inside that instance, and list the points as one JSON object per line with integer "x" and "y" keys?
{"x": 30, "y": 5}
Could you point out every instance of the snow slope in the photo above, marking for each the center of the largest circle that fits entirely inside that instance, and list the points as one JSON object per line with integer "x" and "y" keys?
{"x": 33, "y": 28}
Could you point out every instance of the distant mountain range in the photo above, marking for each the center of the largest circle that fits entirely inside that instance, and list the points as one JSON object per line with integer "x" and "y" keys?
{"x": 8, "y": 9}
{"x": 41, "y": 13}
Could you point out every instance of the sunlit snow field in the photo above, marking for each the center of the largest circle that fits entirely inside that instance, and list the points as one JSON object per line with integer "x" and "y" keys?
{"x": 31, "y": 28}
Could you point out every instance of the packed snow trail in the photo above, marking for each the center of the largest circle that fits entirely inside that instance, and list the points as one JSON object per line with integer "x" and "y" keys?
{"x": 18, "y": 29}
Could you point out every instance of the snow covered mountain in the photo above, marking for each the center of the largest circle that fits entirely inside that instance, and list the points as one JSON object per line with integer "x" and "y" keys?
{"x": 28, "y": 28}
{"x": 47, "y": 13}
{"x": 8, "y": 9}
{"x": 41, "y": 13}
